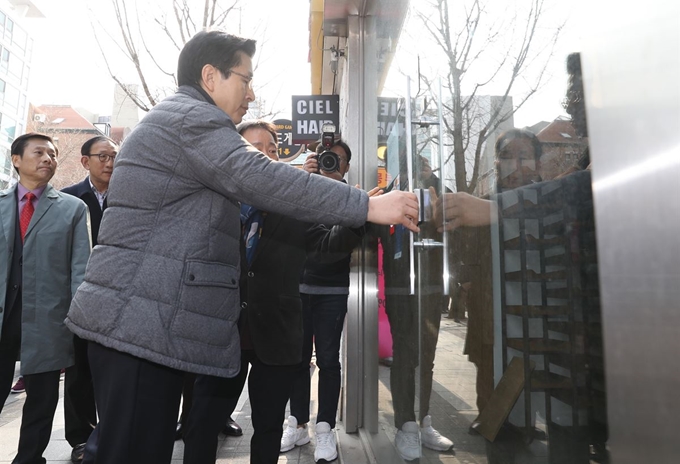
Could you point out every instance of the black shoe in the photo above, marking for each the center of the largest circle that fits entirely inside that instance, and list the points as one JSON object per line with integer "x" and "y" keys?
{"x": 78, "y": 453}
{"x": 232, "y": 429}
{"x": 179, "y": 431}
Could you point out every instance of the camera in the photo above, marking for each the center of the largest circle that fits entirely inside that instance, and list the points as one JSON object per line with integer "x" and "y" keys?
{"x": 328, "y": 161}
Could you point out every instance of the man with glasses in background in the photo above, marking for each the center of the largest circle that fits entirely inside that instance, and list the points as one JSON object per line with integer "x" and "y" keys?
{"x": 80, "y": 415}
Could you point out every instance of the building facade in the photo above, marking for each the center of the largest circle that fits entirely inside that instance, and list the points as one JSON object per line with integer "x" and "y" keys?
{"x": 15, "y": 67}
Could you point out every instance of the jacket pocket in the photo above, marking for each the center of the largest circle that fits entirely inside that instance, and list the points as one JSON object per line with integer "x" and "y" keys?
{"x": 210, "y": 289}
{"x": 207, "y": 307}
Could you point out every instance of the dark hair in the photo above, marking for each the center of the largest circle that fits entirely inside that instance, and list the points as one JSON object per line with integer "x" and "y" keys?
{"x": 513, "y": 134}
{"x": 85, "y": 149}
{"x": 340, "y": 143}
{"x": 258, "y": 124}
{"x": 19, "y": 144}
{"x": 216, "y": 48}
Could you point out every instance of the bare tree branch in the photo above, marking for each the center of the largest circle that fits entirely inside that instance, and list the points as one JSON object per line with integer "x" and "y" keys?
{"x": 167, "y": 33}
{"x": 474, "y": 38}
{"x": 145, "y": 49}
{"x": 124, "y": 25}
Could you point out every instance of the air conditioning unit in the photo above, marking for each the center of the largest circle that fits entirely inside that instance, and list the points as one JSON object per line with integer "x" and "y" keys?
{"x": 39, "y": 118}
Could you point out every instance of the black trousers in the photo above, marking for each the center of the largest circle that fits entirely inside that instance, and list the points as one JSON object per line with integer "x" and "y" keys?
{"x": 10, "y": 346}
{"x": 187, "y": 397}
{"x": 42, "y": 392}
{"x": 215, "y": 399}
{"x": 80, "y": 414}
{"x": 42, "y": 396}
{"x": 8, "y": 358}
{"x": 6, "y": 376}
{"x": 138, "y": 403}
{"x": 412, "y": 348}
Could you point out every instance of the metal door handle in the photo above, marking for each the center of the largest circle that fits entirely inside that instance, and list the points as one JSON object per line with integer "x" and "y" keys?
{"x": 426, "y": 243}
{"x": 445, "y": 235}
{"x": 409, "y": 170}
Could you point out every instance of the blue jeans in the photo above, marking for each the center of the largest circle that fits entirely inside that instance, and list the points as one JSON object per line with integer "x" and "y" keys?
{"x": 323, "y": 320}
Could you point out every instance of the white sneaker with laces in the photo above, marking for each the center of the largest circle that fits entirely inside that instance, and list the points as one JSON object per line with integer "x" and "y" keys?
{"x": 431, "y": 438}
{"x": 408, "y": 441}
{"x": 326, "y": 448}
{"x": 293, "y": 435}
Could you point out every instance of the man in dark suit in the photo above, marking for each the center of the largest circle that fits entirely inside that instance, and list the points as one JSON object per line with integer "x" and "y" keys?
{"x": 44, "y": 248}
{"x": 275, "y": 251}
{"x": 80, "y": 414}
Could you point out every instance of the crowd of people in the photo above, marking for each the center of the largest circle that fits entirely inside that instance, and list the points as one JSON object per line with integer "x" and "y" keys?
{"x": 168, "y": 291}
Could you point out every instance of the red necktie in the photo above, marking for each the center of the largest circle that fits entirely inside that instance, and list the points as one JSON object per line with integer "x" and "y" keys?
{"x": 26, "y": 214}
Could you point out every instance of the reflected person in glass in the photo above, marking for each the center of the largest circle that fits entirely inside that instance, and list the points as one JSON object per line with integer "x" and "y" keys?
{"x": 556, "y": 222}
{"x": 414, "y": 323}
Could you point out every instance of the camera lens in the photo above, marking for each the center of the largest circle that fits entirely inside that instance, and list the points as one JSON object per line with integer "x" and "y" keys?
{"x": 329, "y": 161}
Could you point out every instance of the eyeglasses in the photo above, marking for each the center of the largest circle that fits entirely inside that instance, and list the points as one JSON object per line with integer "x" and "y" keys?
{"x": 248, "y": 80}
{"x": 103, "y": 157}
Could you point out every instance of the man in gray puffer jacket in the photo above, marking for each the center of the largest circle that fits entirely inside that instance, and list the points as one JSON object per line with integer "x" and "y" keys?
{"x": 160, "y": 295}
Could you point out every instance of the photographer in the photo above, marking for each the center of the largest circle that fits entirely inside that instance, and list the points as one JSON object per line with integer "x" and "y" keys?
{"x": 332, "y": 159}
{"x": 324, "y": 288}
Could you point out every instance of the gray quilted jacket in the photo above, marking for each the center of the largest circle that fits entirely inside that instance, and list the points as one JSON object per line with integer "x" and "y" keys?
{"x": 162, "y": 284}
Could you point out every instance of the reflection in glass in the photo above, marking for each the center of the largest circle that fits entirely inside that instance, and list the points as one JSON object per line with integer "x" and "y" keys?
{"x": 508, "y": 365}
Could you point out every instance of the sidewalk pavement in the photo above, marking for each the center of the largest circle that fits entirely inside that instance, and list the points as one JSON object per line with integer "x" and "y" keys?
{"x": 452, "y": 407}
{"x": 232, "y": 450}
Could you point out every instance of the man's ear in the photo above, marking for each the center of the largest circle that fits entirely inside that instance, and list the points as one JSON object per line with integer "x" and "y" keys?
{"x": 208, "y": 77}
{"x": 85, "y": 161}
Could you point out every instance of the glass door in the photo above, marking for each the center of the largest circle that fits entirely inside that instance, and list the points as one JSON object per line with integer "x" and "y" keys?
{"x": 417, "y": 288}
{"x": 491, "y": 340}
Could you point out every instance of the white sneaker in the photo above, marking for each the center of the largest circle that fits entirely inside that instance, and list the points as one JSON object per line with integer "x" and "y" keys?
{"x": 293, "y": 435}
{"x": 326, "y": 448}
{"x": 431, "y": 438}
{"x": 408, "y": 441}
